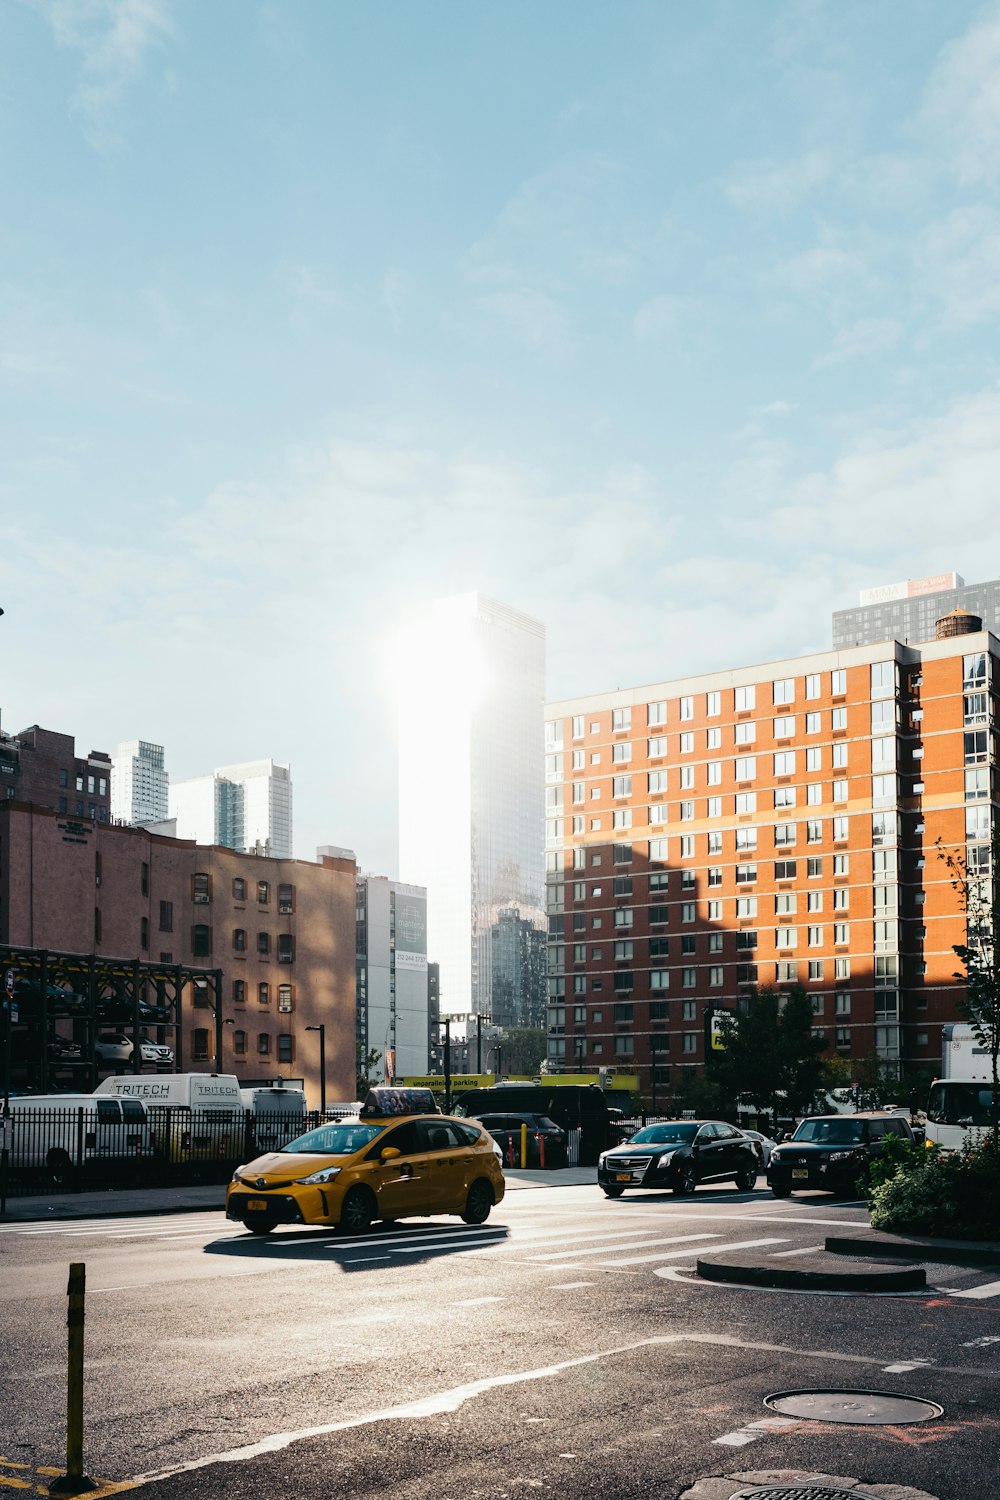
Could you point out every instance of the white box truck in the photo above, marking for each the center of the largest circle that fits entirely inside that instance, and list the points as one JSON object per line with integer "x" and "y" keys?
{"x": 960, "y": 1102}
{"x": 193, "y": 1116}
{"x": 64, "y": 1133}
{"x": 276, "y": 1116}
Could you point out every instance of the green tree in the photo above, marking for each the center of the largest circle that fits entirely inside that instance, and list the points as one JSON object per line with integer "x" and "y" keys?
{"x": 975, "y": 875}
{"x": 772, "y": 1058}
{"x": 523, "y": 1048}
{"x": 365, "y": 1066}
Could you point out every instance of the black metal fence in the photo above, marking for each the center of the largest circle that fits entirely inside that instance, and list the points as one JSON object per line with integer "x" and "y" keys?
{"x": 119, "y": 1143}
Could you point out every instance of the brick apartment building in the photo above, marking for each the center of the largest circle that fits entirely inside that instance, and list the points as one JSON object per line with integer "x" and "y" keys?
{"x": 281, "y": 931}
{"x": 767, "y": 825}
{"x": 40, "y": 765}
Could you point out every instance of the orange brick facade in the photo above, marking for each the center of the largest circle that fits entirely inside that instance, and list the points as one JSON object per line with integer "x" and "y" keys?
{"x": 774, "y": 825}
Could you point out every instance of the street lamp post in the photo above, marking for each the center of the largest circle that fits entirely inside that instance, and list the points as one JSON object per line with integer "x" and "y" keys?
{"x": 321, "y": 1028}
{"x": 479, "y": 1044}
{"x": 447, "y": 1066}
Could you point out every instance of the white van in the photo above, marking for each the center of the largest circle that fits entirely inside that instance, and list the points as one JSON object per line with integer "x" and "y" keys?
{"x": 277, "y": 1116}
{"x": 193, "y": 1116}
{"x": 65, "y": 1132}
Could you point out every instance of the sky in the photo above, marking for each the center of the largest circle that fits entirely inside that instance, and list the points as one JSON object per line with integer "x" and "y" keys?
{"x": 670, "y": 325}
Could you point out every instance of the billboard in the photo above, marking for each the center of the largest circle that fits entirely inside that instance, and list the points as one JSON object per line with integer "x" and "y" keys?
{"x": 911, "y": 588}
{"x": 411, "y": 929}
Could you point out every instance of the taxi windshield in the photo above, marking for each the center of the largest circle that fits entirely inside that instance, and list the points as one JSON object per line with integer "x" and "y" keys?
{"x": 334, "y": 1140}
{"x": 664, "y": 1135}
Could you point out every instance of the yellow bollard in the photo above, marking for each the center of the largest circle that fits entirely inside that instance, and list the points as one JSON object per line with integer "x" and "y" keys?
{"x": 74, "y": 1481}
{"x": 524, "y": 1144}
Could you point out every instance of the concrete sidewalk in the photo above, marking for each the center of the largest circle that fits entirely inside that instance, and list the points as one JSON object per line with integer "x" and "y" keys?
{"x": 211, "y": 1197}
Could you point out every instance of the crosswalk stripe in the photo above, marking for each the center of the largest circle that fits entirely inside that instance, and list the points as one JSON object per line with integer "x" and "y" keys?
{"x": 988, "y": 1289}
{"x": 638, "y": 1260}
{"x": 570, "y": 1254}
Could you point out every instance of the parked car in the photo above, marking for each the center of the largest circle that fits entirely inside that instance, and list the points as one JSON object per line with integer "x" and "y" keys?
{"x": 156, "y": 1052}
{"x": 764, "y": 1145}
{"x": 547, "y": 1142}
{"x": 60, "y": 1050}
{"x": 120, "y": 1008}
{"x": 116, "y": 1047}
{"x": 60, "y": 1002}
{"x": 833, "y": 1152}
{"x": 680, "y": 1154}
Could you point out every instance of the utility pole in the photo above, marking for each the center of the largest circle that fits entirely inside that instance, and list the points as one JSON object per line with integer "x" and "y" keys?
{"x": 479, "y": 1044}
{"x": 447, "y": 1066}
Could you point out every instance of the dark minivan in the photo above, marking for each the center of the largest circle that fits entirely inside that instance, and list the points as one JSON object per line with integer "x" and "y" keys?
{"x": 833, "y": 1152}
{"x": 573, "y": 1106}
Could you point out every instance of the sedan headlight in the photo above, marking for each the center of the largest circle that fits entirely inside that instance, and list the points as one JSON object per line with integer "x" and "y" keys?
{"x": 601, "y": 1160}
{"x": 326, "y": 1175}
{"x": 665, "y": 1159}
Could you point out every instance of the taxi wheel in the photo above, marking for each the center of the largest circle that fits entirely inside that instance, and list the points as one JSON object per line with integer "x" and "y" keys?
{"x": 259, "y": 1223}
{"x": 478, "y": 1203}
{"x": 357, "y": 1211}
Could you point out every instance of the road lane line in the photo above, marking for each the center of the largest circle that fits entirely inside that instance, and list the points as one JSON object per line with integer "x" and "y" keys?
{"x": 989, "y": 1289}
{"x": 799, "y": 1250}
{"x": 571, "y": 1254}
{"x": 638, "y": 1260}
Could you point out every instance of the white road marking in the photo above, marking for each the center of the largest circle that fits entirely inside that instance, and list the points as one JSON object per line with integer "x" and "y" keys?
{"x": 984, "y": 1342}
{"x": 570, "y": 1286}
{"x": 476, "y": 1301}
{"x": 989, "y": 1289}
{"x": 570, "y": 1254}
{"x": 636, "y": 1260}
{"x": 800, "y": 1250}
{"x": 904, "y": 1366}
{"x": 754, "y": 1430}
{"x": 362, "y": 1260}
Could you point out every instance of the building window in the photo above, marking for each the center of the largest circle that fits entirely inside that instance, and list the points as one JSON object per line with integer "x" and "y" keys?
{"x": 286, "y": 1049}
{"x": 144, "y": 879}
{"x": 746, "y": 874}
{"x": 746, "y": 768}
{"x": 838, "y": 718}
{"x": 263, "y": 993}
{"x": 745, "y": 698}
{"x": 623, "y": 1046}
{"x": 166, "y": 916}
{"x": 689, "y": 978}
{"x": 285, "y": 997}
{"x": 263, "y": 1044}
{"x": 201, "y": 940}
{"x": 239, "y": 889}
{"x": 64, "y": 778}
{"x": 784, "y": 728}
{"x": 201, "y": 889}
{"x": 838, "y": 683}
{"x": 239, "y": 991}
{"x": 784, "y": 690}
{"x": 263, "y": 892}
{"x": 689, "y": 1041}
{"x": 239, "y": 1043}
{"x": 144, "y": 933}
{"x": 239, "y": 940}
{"x": 199, "y": 1043}
{"x": 745, "y": 734}
{"x": 659, "y": 979}
{"x": 264, "y": 943}
{"x": 621, "y": 754}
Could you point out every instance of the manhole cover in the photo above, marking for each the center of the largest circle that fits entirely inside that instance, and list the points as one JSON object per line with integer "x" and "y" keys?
{"x": 800, "y": 1492}
{"x": 860, "y": 1408}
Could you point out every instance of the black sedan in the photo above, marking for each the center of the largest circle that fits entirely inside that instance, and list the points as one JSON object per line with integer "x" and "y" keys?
{"x": 679, "y": 1154}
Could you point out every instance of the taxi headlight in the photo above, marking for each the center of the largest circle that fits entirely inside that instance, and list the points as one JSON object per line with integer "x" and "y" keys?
{"x": 665, "y": 1159}
{"x": 236, "y": 1174}
{"x": 326, "y": 1175}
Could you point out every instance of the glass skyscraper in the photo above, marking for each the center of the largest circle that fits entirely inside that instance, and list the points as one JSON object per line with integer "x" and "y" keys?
{"x": 471, "y": 802}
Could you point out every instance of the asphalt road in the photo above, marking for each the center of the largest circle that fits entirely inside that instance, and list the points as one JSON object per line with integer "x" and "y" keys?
{"x": 564, "y": 1347}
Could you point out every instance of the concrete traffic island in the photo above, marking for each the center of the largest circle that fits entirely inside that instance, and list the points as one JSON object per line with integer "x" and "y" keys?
{"x": 812, "y": 1273}
{"x": 904, "y": 1247}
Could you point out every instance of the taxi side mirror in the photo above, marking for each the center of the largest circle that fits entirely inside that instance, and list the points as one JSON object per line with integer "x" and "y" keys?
{"x": 390, "y": 1153}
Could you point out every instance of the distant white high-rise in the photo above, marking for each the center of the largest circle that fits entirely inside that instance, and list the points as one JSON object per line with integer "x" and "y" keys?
{"x": 246, "y": 807}
{"x": 471, "y": 802}
{"x": 139, "y": 783}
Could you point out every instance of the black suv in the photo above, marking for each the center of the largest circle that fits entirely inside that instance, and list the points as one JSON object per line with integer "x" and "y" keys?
{"x": 679, "y": 1154}
{"x": 833, "y": 1152}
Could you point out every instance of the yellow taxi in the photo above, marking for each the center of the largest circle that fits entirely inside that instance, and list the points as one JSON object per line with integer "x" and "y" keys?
{"x": 400, "y": 1157}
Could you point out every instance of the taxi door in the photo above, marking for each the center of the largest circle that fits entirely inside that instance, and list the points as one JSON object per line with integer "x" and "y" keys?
{"x": 449, "y": 1161}
{"x": 403, "y": 1185}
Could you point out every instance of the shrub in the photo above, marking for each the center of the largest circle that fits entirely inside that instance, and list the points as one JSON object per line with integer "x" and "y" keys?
{"x": 955, "y": 1194}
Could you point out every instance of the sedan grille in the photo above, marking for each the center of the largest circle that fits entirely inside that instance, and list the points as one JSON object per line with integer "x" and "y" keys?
{"x": 631, "y": 1163}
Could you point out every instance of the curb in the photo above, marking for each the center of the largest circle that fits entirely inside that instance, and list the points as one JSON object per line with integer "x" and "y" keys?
{"x": 786, "y": 1279}
{"x": 934, "y": 1250}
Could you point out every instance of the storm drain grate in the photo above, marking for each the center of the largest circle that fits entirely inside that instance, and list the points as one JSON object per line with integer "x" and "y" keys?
{"x": 859, "y": 1408}
{"x": 800, "y": 1492}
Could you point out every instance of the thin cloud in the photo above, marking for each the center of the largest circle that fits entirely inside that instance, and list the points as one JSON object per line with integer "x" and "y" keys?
{"x": 113, "y": 38}
{"x": 962, "y": 103}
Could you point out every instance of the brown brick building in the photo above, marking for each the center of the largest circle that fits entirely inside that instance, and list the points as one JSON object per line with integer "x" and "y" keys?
{"x": 768, "y": 825}
{"x": 42, "y": 766}
{"x": 281, "y": 931}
